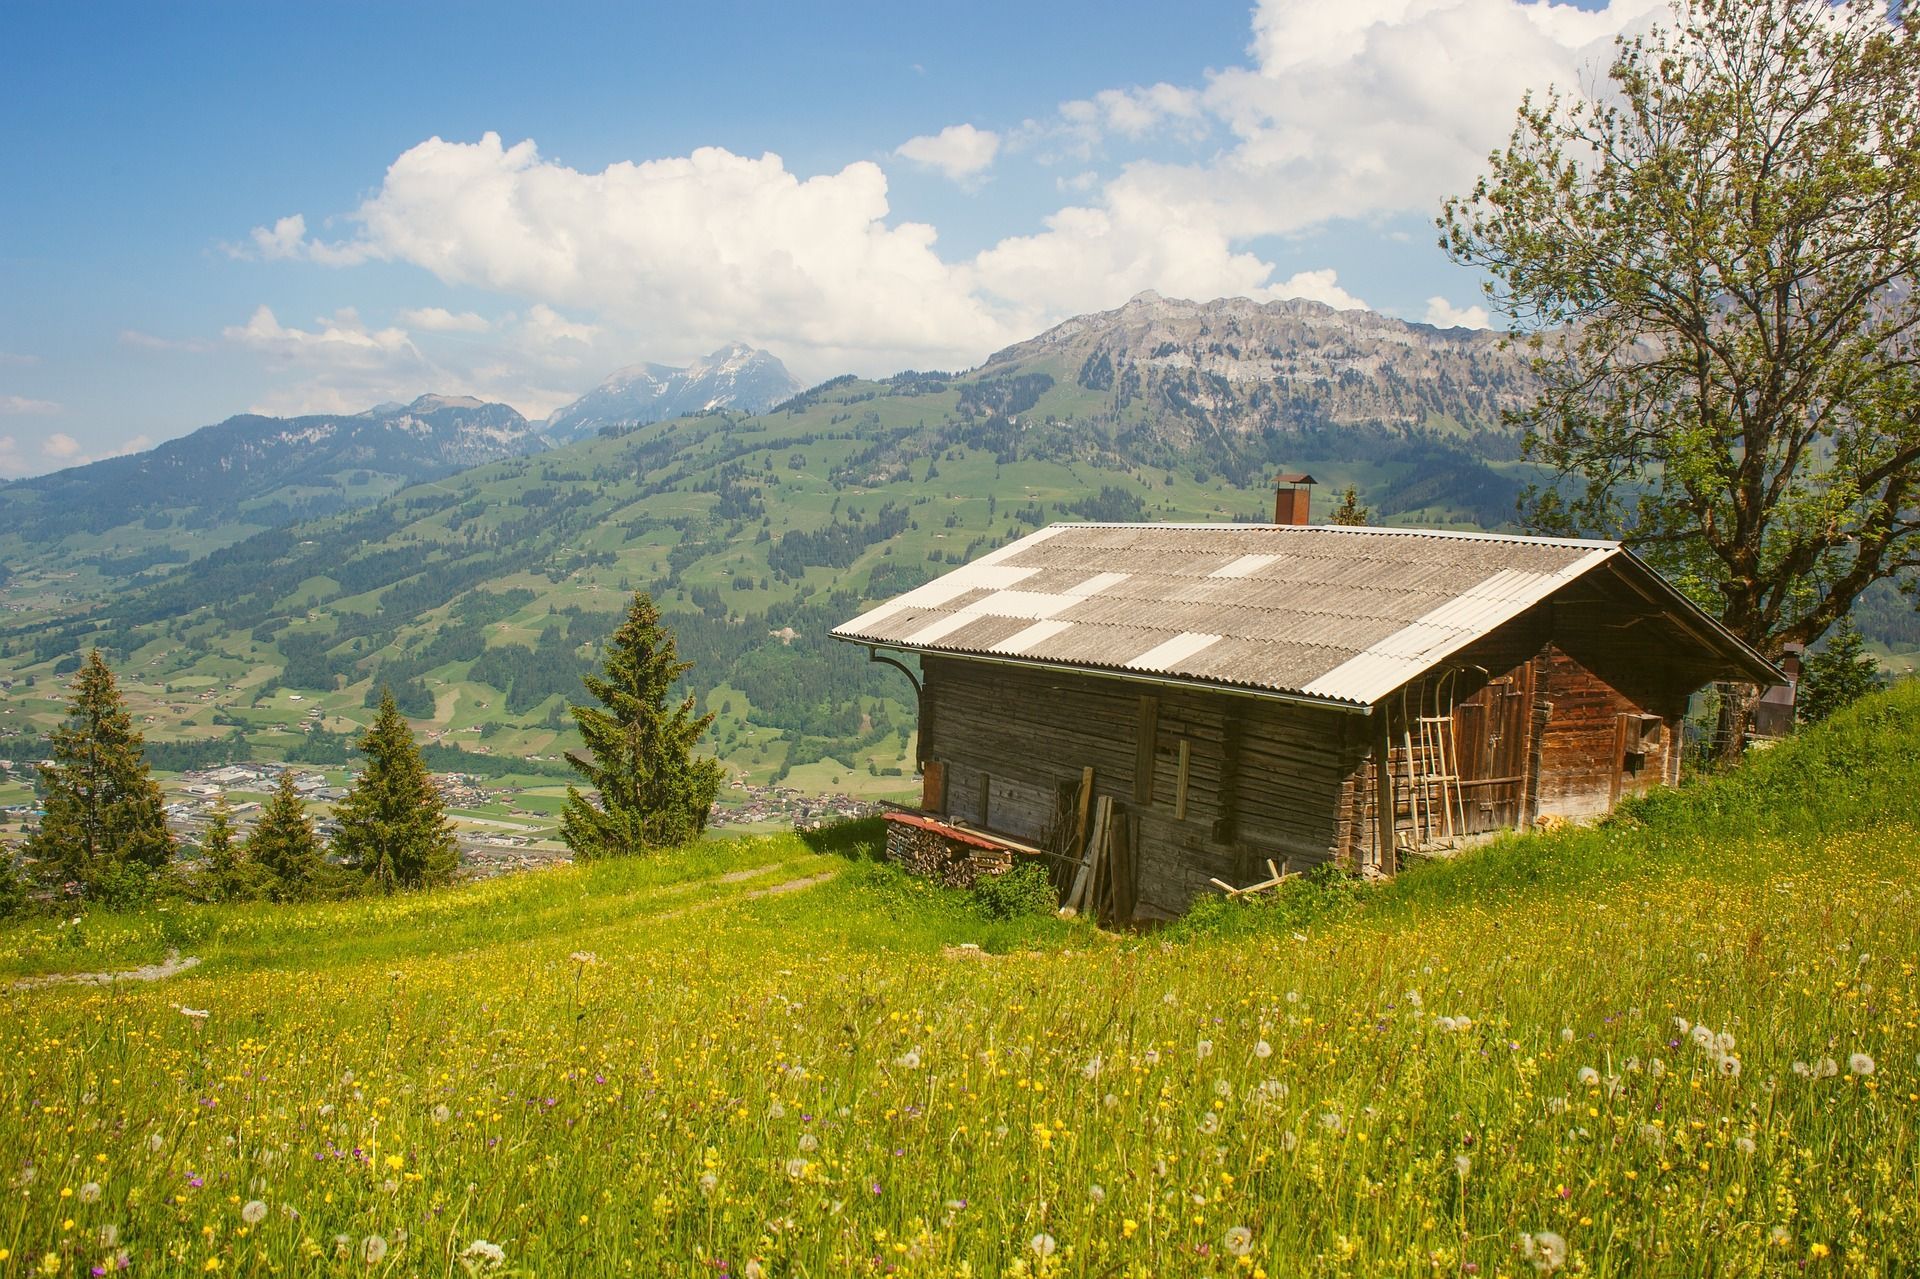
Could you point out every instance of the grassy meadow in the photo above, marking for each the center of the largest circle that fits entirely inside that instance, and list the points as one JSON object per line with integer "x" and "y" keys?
{"x": 1682, "y": 1043}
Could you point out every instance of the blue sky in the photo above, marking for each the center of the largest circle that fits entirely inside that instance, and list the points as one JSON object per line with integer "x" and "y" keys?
{"x": 215, "y": 208}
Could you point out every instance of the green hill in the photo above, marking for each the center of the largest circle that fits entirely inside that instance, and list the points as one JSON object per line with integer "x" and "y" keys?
{"x": 479, "y": 596}
{"x": 1683, "y": 1042}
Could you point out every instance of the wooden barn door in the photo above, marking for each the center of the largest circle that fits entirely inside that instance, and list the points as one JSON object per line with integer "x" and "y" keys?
{"x": 1492, "y": 742}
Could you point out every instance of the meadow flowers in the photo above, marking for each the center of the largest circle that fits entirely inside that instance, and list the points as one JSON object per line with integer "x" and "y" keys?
{"x": 1860, "y": 1064}
{"x": 1545, "y": 1249}
{"x": 1238, "y": 1241}
{"x": 254, "y": 1212}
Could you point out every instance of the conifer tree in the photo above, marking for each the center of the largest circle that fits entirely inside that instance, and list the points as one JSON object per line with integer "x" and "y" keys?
{"x": 393, "y": 826}
{"x": 1839, "y": 674}
{"x": 222, "y": 855}
{"x": 284, "y": 843}
{"x": 653, "y": 793}
{"x": 104, "y": 812}
{"x": 1350, "y": 513}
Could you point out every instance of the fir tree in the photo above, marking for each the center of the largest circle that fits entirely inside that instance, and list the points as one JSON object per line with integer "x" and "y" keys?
{"x": 1350, "y": 512}
{"x": 653, "y": 792}
{"x": 225, "y": 866}
{"x": 393, "y": 827}
{"x": 104, "y": 813}
{"x": 284, "y": 844}
{"x": 1842, "y": 672}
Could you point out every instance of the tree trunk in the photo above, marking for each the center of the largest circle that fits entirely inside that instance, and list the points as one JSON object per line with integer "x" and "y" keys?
{"x": 1730, "y": 728}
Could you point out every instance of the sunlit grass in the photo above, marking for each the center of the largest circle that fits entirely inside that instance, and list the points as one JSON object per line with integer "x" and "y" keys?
{"x": 1493, "y": 1066}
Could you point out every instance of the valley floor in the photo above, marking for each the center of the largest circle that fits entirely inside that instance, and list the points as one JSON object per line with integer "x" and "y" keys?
{"x": 1680, "y": 1044}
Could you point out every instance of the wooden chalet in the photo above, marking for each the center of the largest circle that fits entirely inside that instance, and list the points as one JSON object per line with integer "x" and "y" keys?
{"x": 1178, "y": 708}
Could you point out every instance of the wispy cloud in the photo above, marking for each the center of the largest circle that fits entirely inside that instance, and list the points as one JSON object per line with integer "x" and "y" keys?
{"x": 22, "y": 406}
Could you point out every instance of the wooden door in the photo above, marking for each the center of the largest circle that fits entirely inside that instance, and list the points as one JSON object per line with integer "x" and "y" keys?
{"x": 1491, "y": 744}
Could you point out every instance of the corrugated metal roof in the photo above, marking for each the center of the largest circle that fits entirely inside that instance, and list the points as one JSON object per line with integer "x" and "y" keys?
{"x": 1343, "y": 615}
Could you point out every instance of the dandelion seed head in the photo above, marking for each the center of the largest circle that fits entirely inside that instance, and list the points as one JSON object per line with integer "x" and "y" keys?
{"x": 253, "y": 1212}
{"x": 1043, "y": 1244}
{"x": 373, "y": 1250}
{"x": 1238, "y": 1241}
{"x": 1860, "y": 1064}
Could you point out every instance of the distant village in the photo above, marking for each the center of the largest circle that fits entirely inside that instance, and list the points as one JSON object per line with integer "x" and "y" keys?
{"x": 483, "y": 853}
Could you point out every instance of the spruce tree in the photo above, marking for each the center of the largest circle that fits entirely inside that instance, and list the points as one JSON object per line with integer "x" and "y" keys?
{"x": 104, "y": 812}
{"x": 393, "y": 826}
{"x": 1841, "y": 673}
{"x": 284, "y": 843}
{"x": 653, "y": 793}
{"x": 221, "y": 855}
{"x": 1350, "y": 513}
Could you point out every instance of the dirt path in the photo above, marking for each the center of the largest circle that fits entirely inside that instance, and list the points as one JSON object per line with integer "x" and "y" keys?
{"x": 174, "y": 964}
{"x": 791, "y": 886}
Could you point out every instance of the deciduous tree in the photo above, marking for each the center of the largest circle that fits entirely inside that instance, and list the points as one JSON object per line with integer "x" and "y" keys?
{"x": 652, "y": 791}
{"x": 1715, "y": 257}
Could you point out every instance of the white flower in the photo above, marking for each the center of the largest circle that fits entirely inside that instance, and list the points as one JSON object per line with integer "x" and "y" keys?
{"x": 1745, "y": 1145}
{"x": 1588, "y": 1077}
{"x": 481, "y": 1255}
{"x": 1657, "y": 1068}
{"x": 373, "y": 1250}
{"x": 90, "y": 1193}
{"x": 1827, "y": 1068}
{"x": 1239, "y": 1241}
{"x": 1462, "y": 1165}
{"x": 584, "y": 957}
{"x": 1222, "y": 1088}
{"x": 796, "y": 1168}
{"x": 1729, "y": 1066}
{"x": 441, "y": 1114}
{"x": 1545, "y": 1249}
{"x": 1097, "y": 1193}
{"x": 1413, "y": 999}
{"x": 909, "y": 1059}
{"x": 753, "y": 1269}
{"x": 1724, "y": 1041}
{"x": 1042, "y": 1244}
{"x": 1702, "y": 1038}
{"x": 1093, "y": 1067}
{"x": 1209, "y": 1123}
{"x": 1860, "y": 1064}
{"x": 1203, "y": 1049}
{"x": 1293, "y": 996}
{"x": 1779, "y": 1236}
{"x": 155, "y": 1141}
{"x": 253, "y": 1211}
{"x": 776, "y": 1111}
{"x": 1682, "y": 1025}
{"x": 1262, "y": 1049}
{"x": 1566, "y": 1034}
{"x": 809, "y": 1142}
{"x": 708, "y": 1183}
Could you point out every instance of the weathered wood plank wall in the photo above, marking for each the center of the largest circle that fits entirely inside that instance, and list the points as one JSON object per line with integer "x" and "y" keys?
{"x": 1263, "y": 779}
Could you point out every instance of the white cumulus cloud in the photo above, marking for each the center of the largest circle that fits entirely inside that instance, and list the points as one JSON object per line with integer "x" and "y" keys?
{"x": 61, "y": 447}
{"x": 437, "y": 319}
{"x": 1443, "y": 314}
{"x": 23, "y": 406}
{"x": 959, "y": 151}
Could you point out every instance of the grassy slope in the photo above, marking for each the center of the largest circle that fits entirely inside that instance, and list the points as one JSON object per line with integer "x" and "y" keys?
{"x": 443, "y": 1068}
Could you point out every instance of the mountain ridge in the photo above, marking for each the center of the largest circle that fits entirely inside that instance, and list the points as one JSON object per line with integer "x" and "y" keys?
{"x": 736, "y": 376}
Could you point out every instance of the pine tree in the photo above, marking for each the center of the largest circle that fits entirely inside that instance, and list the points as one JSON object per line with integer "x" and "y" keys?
{"x": 1842, "y": 672}
{"x": 284, "y": 844}
{"x": 393, "y": 826}
{"x": 653, "y": 792}
{"x": 104, "y": 813}
{"x": 1350, "y": 513}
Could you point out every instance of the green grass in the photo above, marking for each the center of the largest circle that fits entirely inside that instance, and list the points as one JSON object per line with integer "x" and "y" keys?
{"x": 656, "y": 1067}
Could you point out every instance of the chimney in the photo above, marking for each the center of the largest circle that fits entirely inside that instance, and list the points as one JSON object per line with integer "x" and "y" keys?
{"x": 1293, "y": 498}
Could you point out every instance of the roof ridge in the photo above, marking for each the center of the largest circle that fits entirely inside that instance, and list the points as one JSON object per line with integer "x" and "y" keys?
{"x": 1468, "y": 535}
